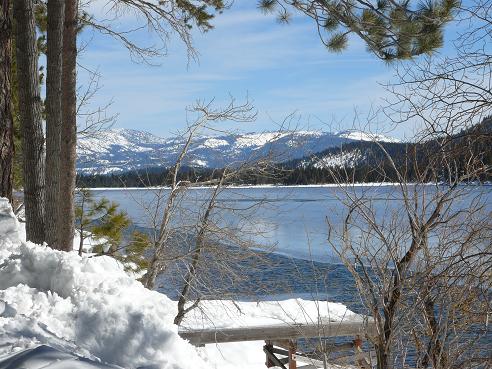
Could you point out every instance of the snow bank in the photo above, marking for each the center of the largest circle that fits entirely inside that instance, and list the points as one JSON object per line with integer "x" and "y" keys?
{"x": 235, "y": 314}
{"x": 88, "y": 306}
{"x": 45, "y": 357}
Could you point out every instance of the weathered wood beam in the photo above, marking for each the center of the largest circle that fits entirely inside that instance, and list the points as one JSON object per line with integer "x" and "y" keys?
{"x": 276, "y": 332}
{"x": 271, "y": 358}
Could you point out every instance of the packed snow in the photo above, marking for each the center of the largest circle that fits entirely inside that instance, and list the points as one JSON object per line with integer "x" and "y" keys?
{"x": 60, "y": 310}
{"x": 83, "y": 305}
{"x": 213, "y": 143}
{"x": 258, "y": 139}
{"x": 229, "y": 314}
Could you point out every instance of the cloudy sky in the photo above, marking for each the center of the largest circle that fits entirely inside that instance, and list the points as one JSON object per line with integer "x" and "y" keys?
{"x": 282, "y": 68}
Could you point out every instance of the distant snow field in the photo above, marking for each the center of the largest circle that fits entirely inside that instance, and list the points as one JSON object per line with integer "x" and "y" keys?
{"x": 60, "y": 310}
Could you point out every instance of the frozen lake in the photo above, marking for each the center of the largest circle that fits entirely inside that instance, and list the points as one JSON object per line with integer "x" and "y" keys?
{"x": 292, "y": 220}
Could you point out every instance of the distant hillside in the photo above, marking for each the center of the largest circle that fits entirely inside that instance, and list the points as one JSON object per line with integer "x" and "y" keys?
{"x": 362, "y": 161}
{"x": 122, "y": 150}
{"x": 367, "y": 161}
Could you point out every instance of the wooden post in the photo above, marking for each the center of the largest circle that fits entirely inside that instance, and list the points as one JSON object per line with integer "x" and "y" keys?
{"x": 360, "y": 358}
{"x": 269, "y": 347}
{"x": 292, "y": 354}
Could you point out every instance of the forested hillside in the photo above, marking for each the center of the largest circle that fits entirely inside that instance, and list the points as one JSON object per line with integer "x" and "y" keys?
{"x": 360, "y": 161}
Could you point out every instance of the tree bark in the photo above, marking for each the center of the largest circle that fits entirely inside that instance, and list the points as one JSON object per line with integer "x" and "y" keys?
{"x": 30, "y": 118}
{"x": 69, "y": 127}
{"x": 53, "y": 120}
{"x": 6, "y": 118}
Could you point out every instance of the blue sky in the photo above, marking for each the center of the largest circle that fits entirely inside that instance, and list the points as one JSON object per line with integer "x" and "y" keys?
{"x": 282, "y": 68}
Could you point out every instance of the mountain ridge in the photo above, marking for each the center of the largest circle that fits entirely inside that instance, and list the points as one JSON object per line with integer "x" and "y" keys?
{"x": 121, "y": 150}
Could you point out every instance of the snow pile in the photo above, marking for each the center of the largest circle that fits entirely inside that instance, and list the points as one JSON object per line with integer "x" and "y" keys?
{"x": 235, "y": 314}
{"x": 45, "y": 357}
{"x": 88, "y": 306}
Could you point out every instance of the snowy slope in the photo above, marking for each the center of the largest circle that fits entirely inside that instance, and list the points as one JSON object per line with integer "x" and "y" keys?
{"x": 120, "y": 150}
{"x": 341, "y": 159}
{"x": 86, "y": 306}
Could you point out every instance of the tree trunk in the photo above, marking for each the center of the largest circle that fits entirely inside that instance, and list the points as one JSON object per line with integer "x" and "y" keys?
{"x": 69, "y": 127}
{"x": 53, "y": 120}
{"x": 30, "y": 118}
{"x": 6, "y": 118}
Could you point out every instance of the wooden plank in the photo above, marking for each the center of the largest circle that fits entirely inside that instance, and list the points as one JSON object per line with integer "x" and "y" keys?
{"x": 272, "y": 358}
{"x": 280, "y": 351}
{"x": 275, "y": 332}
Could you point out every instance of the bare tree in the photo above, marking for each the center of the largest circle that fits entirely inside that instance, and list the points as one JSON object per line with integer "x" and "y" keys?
{"x": 163, "y": 19}
{"x": 413, "y": 259}
{"x": 92, "y": 120}
{"x": 30, "y": 118}
{"x": 55, "y": 12}
{"x": 6, "y": 117}
{"x": 206, "y": 114}
{"x": 196, "y": 254}
{"x": 421, "y": 265}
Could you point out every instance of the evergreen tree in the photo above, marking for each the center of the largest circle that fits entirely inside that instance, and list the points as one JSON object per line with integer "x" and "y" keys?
{"x": 55, "y": 13}
{"x": 30, "y": 117}
{"x": 6, "y": 115}
{"x": 101, "y": 220}
{"x": 390, "y": 29}
{"x": 106, "y": 224}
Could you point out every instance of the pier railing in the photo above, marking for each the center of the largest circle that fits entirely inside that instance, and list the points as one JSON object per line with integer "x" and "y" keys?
{"x": 281, "y": 340}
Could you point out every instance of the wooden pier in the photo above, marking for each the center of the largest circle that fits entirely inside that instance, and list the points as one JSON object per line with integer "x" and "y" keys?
{"x": 281, "y": 341}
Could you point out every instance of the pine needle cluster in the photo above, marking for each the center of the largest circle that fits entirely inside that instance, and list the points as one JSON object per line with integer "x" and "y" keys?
{"x": 391, "y": 29}
{"x": 199, "y": 12}
{"x": 107, "y": 226}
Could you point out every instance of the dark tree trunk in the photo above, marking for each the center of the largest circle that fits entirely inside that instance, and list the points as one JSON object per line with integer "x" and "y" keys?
{"x": 30, "y": 118}
{"x": 6, "y": 119}
{"x": 53, "y": 120}
{"x": 69, "y": 127}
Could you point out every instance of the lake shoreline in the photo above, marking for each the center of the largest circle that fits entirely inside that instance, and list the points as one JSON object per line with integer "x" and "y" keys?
{"x": 328, "y": 185}
{"x": 273, "y": 186}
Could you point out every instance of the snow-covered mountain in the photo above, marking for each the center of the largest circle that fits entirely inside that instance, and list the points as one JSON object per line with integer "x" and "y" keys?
{"x": 120, "y": 150}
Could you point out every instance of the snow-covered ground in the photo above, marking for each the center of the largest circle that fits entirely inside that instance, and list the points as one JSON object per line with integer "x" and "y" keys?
{"x": 57, "y": 308}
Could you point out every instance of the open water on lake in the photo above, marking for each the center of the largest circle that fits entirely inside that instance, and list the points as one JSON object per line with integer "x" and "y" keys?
{"x": 291, "y": 221}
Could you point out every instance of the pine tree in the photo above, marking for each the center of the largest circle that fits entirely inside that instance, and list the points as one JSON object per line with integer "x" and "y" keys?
{"x": 6, "y": 115}
{"x": 390, "y": 29}
{"x": 30, "y": 117}
{"x": 55, "y": 12}
{"x": 102, "y": 220}
{"x": 106, "y": 224}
